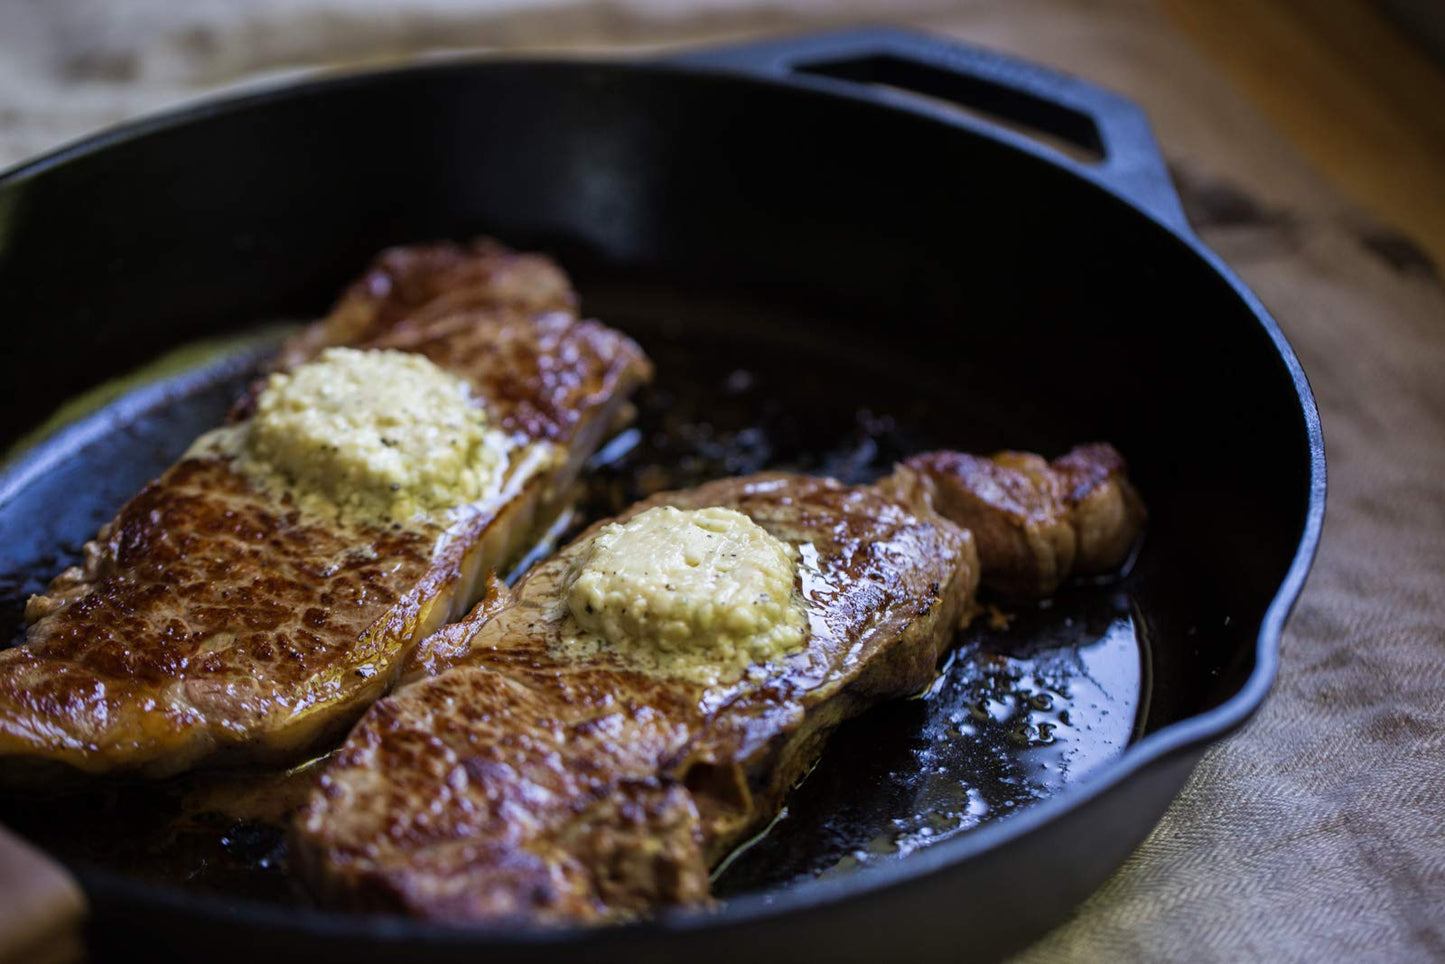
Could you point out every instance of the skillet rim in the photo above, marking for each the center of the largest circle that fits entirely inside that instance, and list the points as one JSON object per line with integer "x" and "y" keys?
{"x": 1174, "y": 740}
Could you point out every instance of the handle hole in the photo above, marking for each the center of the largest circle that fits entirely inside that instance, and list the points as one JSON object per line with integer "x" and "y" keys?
{"x": 1065, "y": 130}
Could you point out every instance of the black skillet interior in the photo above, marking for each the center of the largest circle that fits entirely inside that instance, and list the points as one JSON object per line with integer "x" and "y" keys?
{"x": 830, "y": 273}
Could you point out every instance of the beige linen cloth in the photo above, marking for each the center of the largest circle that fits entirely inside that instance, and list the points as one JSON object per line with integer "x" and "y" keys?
{"x": 1316, "y": 832}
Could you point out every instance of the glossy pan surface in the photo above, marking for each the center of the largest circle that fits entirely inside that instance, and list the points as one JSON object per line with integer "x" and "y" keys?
{"x": 837, "y": 271}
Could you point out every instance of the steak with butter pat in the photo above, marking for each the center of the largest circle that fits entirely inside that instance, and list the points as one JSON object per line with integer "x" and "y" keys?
{"x": 527, "y": 782}
{"x": 523, "y": 782}
{"x": 213, "y": 621}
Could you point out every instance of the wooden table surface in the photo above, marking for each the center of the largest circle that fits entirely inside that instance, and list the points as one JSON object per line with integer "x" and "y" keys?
{"x": 1363, "y": 102}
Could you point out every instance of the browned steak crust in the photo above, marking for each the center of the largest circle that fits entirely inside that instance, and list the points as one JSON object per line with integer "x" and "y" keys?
{"x": 1037, "y": 522}
{"x": 523, "y": 783}
{"x": 213, "y": 621}
{"x": 417, "y": 285}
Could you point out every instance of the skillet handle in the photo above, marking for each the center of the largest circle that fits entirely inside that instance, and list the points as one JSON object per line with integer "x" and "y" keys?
{"x": 1125, "y": 157}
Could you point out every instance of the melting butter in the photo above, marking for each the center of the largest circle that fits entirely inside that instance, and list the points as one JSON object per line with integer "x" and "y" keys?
{"x": 701, "y": 593}
{"x": 379, "y": 436}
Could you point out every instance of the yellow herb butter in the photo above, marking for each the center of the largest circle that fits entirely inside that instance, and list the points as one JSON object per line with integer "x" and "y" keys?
{"x": 698, "y": 593}
{"x": 380, "y": 436}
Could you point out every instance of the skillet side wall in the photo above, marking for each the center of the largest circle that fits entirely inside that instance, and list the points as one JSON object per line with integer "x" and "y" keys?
{"x": 1051, "y": 311}
{"x": 979, "y": 910}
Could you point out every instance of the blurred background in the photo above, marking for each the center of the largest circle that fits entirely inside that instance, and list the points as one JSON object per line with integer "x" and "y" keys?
{"x": 1354, "y": 85}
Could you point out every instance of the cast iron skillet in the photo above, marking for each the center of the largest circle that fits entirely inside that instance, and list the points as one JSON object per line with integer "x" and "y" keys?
{"x": 824, "y": 192}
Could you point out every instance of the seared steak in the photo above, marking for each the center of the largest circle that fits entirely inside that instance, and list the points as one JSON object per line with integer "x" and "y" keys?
{"x": 1037, "y": 522}
{"x": 411, "y": 287}
{"x": 521, "y": 784}
{"x": 214, "y": 621}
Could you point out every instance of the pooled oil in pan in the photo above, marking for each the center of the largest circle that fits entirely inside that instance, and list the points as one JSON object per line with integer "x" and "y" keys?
{"x": 1029, "y": 701}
